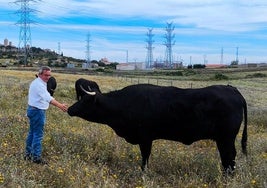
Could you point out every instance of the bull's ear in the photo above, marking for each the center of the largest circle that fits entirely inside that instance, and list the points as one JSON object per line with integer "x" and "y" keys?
{"x": 87, "y": 92}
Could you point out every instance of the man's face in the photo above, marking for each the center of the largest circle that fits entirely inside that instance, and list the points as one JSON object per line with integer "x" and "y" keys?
{"x": 45, "y": 75}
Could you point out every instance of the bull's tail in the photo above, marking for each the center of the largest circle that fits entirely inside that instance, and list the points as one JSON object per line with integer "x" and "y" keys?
{"x": 245, "y": 134}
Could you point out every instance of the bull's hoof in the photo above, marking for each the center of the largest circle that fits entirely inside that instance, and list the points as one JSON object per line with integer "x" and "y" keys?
{"x": 230, "y": 171}
{"x": 143, "y": 168}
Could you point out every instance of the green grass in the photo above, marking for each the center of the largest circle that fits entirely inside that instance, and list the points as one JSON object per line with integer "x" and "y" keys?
{"x": 86, "y": 154}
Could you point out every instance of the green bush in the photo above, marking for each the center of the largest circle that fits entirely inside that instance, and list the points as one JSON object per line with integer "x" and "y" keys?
{"x": 219, "y": 76}
{"x": 256, "y": 75}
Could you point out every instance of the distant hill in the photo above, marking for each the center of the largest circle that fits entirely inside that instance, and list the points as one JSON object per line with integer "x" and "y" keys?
{"x": 10, "y": 56}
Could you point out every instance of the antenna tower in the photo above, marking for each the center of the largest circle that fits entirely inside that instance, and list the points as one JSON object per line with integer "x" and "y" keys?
{"x": 149, "y": 57}
{"x": 88, "y": 58}
{"x": 25, "y": 31}
{"x": 169, "y": 43}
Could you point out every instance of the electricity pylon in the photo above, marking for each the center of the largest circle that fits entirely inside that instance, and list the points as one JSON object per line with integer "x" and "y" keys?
{"x": 25, "y": 30}
{"x": 149, "y": 58}
{"x": 169, "y": 43}
{"x": 88, "y": 57}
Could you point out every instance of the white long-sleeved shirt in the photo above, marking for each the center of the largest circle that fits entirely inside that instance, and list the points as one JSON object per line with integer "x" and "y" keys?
{"x": 38, "y": 96}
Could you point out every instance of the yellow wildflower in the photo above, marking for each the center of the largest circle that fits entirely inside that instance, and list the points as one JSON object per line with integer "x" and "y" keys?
{"x": 253, "y": 182}
{"x": 60, "y": 170}
{"x": 2, "y": 179}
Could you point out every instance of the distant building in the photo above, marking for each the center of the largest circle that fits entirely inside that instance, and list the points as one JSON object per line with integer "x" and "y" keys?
{"x": 8, "y": 48}
{"x": 177, "y": 65}
{"x": 130, "y": 66}
{"x": 262, "y": 64}
{"x": 6, "y": 42}
{"x": 70, "y": 65}
{"x": 215, "y": 66}
{"x": 86, "y": 65}
{"x": 105, "y": 61}
{"x": 125, "y": 66}
{"x": 140, "y": 66}
{"x": 252, "y": 65}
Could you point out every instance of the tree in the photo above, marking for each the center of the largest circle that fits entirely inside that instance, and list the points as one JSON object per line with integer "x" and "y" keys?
{"x": 234, "y": 63}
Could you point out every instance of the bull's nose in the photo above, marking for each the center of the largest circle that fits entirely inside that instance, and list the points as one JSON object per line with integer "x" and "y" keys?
{"x": 70, "y": 112}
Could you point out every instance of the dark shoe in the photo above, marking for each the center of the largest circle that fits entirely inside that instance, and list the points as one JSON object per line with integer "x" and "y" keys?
{"x": 27, "y": 157}
{"x": 40, "y": 161}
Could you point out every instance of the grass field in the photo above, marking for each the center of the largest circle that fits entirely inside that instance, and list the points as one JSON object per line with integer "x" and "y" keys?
{"x": 86, "y": 154}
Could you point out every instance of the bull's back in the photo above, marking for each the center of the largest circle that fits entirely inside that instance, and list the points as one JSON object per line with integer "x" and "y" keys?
{"x": 184, "y": 115}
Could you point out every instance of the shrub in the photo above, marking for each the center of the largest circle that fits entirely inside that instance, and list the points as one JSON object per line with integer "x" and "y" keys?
{"x": 219, "y": 76}
{"x": 256, "y": 75}
{"x": 174, "y": 73}
{"x": 189, "y": 72}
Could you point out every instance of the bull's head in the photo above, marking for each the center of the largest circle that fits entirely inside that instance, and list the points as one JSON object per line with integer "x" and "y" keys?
{"x": 85, "y": 107}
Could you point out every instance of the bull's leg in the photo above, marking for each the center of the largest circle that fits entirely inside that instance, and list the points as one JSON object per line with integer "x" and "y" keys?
{"x": 228, "y": 153}
{"x": 145, "y": 152}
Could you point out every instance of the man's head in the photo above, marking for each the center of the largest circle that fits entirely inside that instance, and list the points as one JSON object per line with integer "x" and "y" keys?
{"x": 44, "y": 73}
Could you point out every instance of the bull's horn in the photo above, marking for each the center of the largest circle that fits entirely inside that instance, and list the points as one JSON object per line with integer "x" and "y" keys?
{"x": 89, "y": 93}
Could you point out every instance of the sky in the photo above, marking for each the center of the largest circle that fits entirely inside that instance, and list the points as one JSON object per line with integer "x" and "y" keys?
{"x": 205, "y": 31}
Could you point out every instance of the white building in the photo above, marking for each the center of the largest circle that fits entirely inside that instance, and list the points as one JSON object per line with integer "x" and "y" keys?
{"x": 6, "y": 42}
{"x": 130, "y": 66}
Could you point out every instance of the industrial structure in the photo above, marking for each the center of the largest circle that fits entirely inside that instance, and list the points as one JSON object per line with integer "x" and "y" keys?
{"x": 25, "y": 30}
{"x": 149, "y": 47}
{"x": 169, "y": 36}
{"x": 87, "y": 64}
{"x": 88, "y": 57}
{"x": 58, "y": 48}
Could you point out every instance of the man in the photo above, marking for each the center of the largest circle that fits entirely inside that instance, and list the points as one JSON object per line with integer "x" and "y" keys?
{"x": 38, "y": 102}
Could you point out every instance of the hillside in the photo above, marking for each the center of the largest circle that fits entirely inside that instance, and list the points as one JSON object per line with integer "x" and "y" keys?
{"x": 9, "y": 56}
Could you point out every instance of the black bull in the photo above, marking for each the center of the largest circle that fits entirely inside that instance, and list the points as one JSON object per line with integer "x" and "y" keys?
{"x": 51, "y": 84}
{"x": 143, "y": 113}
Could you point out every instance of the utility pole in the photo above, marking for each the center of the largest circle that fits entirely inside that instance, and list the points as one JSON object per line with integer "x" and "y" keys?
{"x": 127, "y": 56}
{"x": 25, "y": 31}
{"x": 149, "y": 58}
{"x": 205, "y": 59}
{"x": 236, "y": 55}
{"x": 169, "y": 43}
{"x": 221, "y": 56}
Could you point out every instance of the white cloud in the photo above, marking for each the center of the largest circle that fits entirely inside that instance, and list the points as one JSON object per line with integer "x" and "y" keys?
{"x": 233, "y": 19}
{"x": 239, "y": 15}
{"x": 229, "y": 15}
